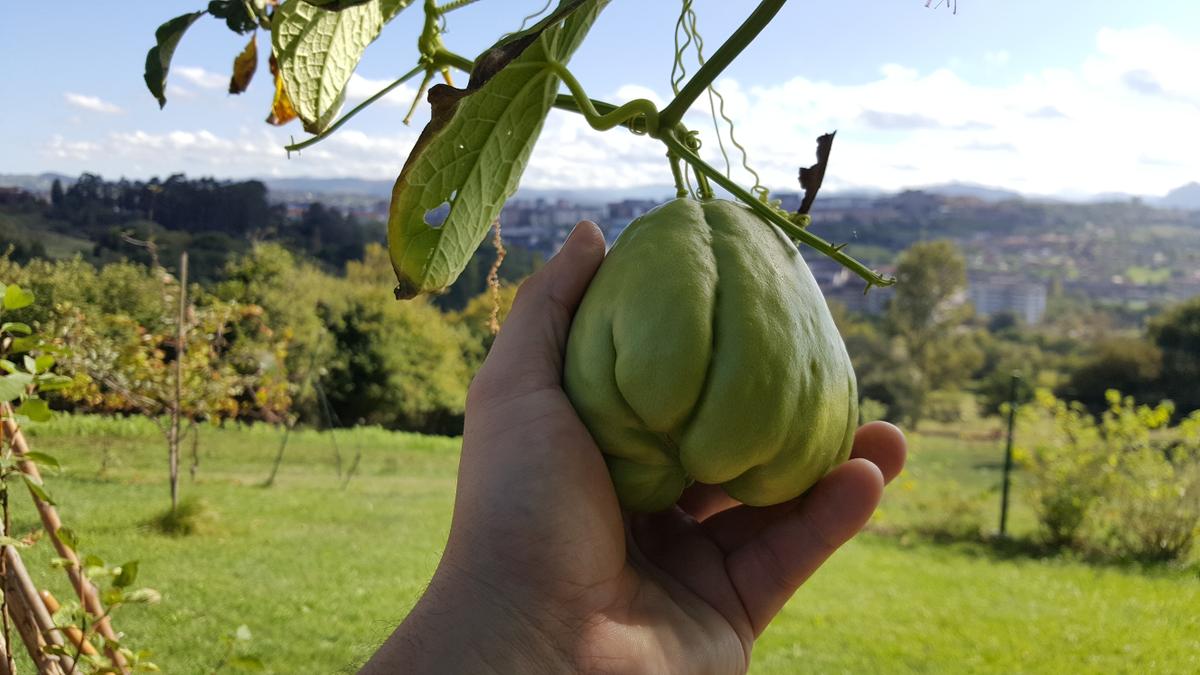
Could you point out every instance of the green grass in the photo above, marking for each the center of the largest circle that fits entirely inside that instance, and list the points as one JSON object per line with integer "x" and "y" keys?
{"x": 321, "y": 574}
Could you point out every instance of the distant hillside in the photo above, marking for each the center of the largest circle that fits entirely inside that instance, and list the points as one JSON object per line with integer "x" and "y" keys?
{"x": 1182, "y": 197}
{"x": 40, "y": 182}
{"x": 981, "y": 192}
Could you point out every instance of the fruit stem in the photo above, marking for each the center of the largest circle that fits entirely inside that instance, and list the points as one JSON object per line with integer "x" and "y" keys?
{"x": 794, "y": 231}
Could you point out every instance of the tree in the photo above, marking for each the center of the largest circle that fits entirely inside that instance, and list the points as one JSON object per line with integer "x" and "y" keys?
{"x": 1177, "y": 334}
{"x": 1129, "y": 364}
{"x": 56, "y": 193}
{"x": 926, "y": 313}
{"x": 398, "y": 365}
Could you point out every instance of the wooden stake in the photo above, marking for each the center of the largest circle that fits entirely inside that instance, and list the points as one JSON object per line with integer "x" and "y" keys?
{"x": 89, "y": 597}
{"x": 176, "y": 409}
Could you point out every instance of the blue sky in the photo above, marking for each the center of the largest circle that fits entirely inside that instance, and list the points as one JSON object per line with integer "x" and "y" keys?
{"x": 1054, "y": 97}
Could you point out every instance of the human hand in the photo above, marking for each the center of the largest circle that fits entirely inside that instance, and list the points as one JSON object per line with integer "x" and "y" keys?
{"x": 542, "y": 571}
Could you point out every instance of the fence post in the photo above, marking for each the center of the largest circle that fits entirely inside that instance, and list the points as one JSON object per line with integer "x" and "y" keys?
{"x": 1008, "y": 451}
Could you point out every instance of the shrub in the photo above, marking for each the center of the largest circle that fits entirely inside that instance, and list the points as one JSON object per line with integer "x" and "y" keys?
{"x": 1066, "y": 466}
{"x": 1154, "y": 503}
{"x": 1127, "y": 476}
{"x": 870, "y": 410}
{"x": 951, "y": 406}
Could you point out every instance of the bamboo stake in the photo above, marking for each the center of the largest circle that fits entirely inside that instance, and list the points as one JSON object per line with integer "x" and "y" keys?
{"x": 88, "y": 595}
{"x": 32, "y": 620}
{"x": 73, "y": 633}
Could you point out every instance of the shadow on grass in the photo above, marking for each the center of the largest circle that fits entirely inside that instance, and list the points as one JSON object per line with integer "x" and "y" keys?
{"x": 1008, "y": 548}
{"x": 190, "y": 517}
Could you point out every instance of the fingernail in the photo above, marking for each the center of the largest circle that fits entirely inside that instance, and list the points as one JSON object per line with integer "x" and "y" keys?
{"x": 575, "y": 230}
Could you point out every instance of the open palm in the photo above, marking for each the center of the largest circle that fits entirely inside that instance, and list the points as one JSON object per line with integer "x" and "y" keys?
{"x": 538, "y": 537}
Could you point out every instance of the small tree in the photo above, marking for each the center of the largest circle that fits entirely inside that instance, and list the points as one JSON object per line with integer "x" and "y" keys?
{"x": 213, "y": 360}
{"x": 924, "y": 313}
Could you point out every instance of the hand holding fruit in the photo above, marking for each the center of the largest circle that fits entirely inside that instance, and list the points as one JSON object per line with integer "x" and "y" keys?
{"x": 542, "y": 571}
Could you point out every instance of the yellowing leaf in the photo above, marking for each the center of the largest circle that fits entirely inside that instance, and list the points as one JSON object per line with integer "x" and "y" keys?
{"x": 318, "y": 49}
{"x": 473, "y": 151}
{"x": 244, "y": 66}
{"x": 282, "y": 110}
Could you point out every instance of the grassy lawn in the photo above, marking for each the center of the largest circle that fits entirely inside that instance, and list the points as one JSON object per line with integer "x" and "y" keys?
{"x": 321, "y": 573}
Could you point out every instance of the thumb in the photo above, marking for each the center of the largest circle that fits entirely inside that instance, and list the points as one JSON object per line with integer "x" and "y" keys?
{"x": 528, "y": 352}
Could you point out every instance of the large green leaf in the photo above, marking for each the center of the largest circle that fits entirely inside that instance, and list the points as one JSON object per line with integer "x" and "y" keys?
{"x": 158, "y": 59}
{"x": 16, "y": 297}
{"x": 13, "y": 386}
{"x": 473, "y": 151}
{"x": 317, "y": 50}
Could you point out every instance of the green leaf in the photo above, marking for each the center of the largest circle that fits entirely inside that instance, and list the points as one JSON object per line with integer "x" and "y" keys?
{"x": 317, "y": 50}
{"x": 127, "y": 574}
{"x": 16, "y": 297}
{"x": 158, "y": 59}
{"x": 473, "y": 151}
{"x": 44, "y": 460}
{"x": 246, "y": 663}
{"x": 238, "y": 17}
{"x": 24, "y": 344}
{"x": 336, "y": 5}
{"x": 37, "y": 489}
{"x": 15, "y": 328}
{"x": 8, "y": 366}
{"x": 93, "y": 560}
{"x": 52, "y": 382}
{"x": 30, "y": 364}
{"x": 10, "y": 541}
{"x": 68, "y": 537}
{"x": 112, "y": 597}
{"x": 36, "y": 409}
{"x": 43, "y": 363}
{"x": 13, "y": 386}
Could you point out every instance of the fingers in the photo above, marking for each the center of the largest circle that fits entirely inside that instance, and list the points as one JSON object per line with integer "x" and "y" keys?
{"x": 880, "y": 443}
{"x": 883, "y": 445}
{"x": 701, "y": 501}
{"x": 768, "y": 569}
{"x": 528, "y": 352}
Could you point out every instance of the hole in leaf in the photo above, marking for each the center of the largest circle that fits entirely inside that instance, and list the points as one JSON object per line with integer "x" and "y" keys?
{"x": 437, "y": 216}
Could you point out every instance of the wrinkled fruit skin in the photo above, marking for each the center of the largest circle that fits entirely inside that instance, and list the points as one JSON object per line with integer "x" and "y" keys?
{"x": 704, "y": 351}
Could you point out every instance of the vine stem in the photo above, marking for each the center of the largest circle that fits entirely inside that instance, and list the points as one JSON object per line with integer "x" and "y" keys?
{"x": 638, "y": 107}
{"x": 441, "y": 60}
{"x": 354, "y": 111}
{"x": 741, "y": 38}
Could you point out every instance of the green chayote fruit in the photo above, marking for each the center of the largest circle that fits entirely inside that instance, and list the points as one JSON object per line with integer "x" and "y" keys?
{"x": 704, "y": 351}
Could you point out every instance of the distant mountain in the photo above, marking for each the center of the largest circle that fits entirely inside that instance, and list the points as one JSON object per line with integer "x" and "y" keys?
{"x": 1182, "y": 197}
{"x": 594, "y": 196}
{"x": 982, "y": 192}
{"x": 40, "y": 182}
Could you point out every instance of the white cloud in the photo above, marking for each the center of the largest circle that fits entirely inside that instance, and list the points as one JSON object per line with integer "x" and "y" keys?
{"x": 360, "y": 88}
{"x": 200, "y": 77}
{"x": 1079, "y": 130}
{"x": 92, "y": 103}
{"x": 1083, "y": 130}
